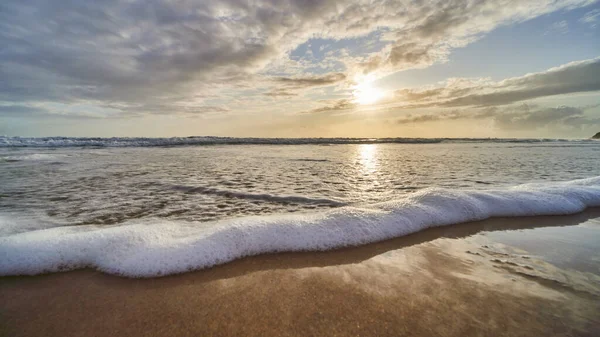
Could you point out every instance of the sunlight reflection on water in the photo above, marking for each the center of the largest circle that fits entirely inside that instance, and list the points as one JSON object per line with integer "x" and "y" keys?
{"x": 368, "y": 158}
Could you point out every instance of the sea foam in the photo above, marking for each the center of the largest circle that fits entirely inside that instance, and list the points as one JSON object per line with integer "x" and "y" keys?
{"x": 156, "y": 247}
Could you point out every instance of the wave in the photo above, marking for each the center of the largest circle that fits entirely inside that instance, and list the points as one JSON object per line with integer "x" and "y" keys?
{"x": 155, "y": 248}
{"x": 311, "y": 160}
{"x": 285, "y": 199}
{"x": 6, "y": 141}
{"x": 31, "y": 157}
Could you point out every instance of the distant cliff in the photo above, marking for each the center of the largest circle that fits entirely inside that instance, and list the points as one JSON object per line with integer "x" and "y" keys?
{"x": 596, "y": 136}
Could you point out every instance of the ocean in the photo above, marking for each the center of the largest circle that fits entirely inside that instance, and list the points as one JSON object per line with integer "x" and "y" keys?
{"x": 146, "y": 207}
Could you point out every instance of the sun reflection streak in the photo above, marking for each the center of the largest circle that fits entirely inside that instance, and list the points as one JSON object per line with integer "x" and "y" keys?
{"x": 367, "y": 154}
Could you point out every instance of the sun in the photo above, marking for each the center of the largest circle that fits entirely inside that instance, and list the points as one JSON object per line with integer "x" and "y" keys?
{"x": 365, "y": 93}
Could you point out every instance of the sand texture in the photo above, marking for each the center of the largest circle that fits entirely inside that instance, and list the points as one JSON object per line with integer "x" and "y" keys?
{"x": 476, "y": 279}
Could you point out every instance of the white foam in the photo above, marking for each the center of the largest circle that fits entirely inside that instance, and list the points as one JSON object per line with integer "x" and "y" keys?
{"x": 154, "y": 248}
{"x": 10, "y": 224}
{"x": 33, "y": 157}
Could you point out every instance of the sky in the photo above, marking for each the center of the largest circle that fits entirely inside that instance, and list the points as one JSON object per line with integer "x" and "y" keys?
{"x": 300, "y": 68}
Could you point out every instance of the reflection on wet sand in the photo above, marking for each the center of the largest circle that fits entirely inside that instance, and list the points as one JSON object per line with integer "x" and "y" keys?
{"x": 448, "y": 281}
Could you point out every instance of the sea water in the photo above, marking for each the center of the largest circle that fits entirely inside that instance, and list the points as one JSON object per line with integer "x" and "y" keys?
{"x": 145, "y": 207}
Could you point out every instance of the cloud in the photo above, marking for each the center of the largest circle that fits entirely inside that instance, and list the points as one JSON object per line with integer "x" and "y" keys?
{"x": 19, "y": 110}
{"x": 528, "y": 118}
{"x": 522, "y": 117}
{"x": 339, "y": 105}
{"x": 280, "y": 93}
{"x": 591, "y": 18}
{"x": 560, "y": 27}
{"x": 310, "y": 81}
{"x": 574, "y": 77}
{"x": 445, "y": 115}
{"x": 580, "y": 76}
{"x": 16, "y": 110}
{"x": 429, "y": 35}
{"x": 169, "y": 56}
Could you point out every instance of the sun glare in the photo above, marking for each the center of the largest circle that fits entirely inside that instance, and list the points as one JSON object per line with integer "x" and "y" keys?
{"x": 365, "y": 93}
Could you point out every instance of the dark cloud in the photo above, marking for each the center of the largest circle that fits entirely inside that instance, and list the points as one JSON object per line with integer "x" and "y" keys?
{"x": 129, "y": 52}
{"x": 582, "y": 76}
{"x": 311, "y": 81}
{"x": 527, "y": 118}
{"x": 410, "y": 55}
{"x": 523, "y": 117}
{"x": 291, "y": 86}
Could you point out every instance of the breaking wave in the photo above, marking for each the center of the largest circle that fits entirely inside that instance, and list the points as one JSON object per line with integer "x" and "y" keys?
{"x": 151, "y": 248}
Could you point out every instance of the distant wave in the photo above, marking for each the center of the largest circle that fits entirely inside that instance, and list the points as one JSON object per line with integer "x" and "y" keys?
{"x": 150, "y": 248}
{"x": 187, "y": 141}
{"x": 31, "y": 157}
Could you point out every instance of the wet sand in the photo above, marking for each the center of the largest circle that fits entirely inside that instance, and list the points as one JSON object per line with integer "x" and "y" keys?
{"x": 537, "y": 276}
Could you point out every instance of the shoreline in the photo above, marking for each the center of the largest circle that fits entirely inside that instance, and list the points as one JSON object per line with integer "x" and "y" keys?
{"x": 451, "y": 281}
{"x": 155, "y": 247}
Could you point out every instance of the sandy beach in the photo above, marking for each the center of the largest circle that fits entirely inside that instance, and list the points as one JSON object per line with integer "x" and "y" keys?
{"x": 535, "y": 276}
